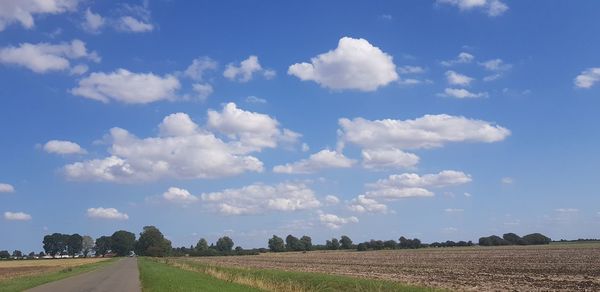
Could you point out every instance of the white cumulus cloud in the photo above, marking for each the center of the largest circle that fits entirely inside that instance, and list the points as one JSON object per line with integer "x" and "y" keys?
{"x": 321, "y": 160}
{"x": 491, "y": 7}
{"x": 45, "y": 57}
{"x": 462, "y": 58}
{"x": 106, "y": 213}
{"x": 413, "y": 185}
{"x": 127, "y": 87}
{"x": 425, "y": 132}
{"x": 331, "y": 199}
{"x": 335, "y": 222}
{"x": 93, "y": 21}
{"x": 362, "y": 204}
{"x": 455, "y": 78}
{"x": 6, "y": 188}
{"x": 184, "y": 150}
{"x": 253, "y": 130}
{"x": 354, "y": 64}
{"x": 63, "y": 147}
{"x": 17, "y": 216}
{"x": 178, "y": 195}
{"x": 131, "y": 24}
{"x": 258, "y": 198}
{"x": 588, "y": 78}
{"x": 381, "y": 158}
{"x": 462, "y": 93}
{"x": 245, "y": 71}
{"x": 23, "y": 11}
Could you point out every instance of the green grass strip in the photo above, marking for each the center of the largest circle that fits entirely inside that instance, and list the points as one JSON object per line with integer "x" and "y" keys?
{"x": 157, "y": 276}
{"x": 278, "y": 280}
{"x": 26, "y": 282}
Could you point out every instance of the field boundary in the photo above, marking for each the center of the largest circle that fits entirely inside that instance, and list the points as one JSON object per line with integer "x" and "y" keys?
{"x": 276, "y": 280}
{"x": 30, "y": 281}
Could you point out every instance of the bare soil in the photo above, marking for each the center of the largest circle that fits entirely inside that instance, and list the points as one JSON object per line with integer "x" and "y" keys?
{"x": 557, "y": 267}
{"x": 20, "y": 268}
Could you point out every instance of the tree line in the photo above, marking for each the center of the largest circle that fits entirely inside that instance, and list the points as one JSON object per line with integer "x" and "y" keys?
{"x": 152, "y": 242}
{"x": 513, "y": 239}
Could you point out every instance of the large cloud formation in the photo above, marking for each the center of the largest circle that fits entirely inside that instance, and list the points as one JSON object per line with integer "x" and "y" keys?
{"x": 127, "y": 87}
{"x": 259, "y": 198}
{"x": 22, "y": 11}
{"x": 184, "y": 149}
{"x": 354, "y": 64}
{"x": 383, "y": 141}
{"x": 45, "y": 57}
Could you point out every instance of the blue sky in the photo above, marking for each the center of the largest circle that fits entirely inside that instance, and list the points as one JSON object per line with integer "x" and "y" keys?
{"x": 448, "y": 119}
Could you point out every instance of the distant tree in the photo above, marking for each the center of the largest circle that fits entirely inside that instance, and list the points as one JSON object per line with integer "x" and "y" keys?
{"x": 123, "y": 242}
{"x": 31, "y": 255}
{"x": 41, "y": 254}
{"x": 345, "y": 242}
{"x": 307, "y": 242}
{"x": 513, "y": 239}
{"x": 292, "y": 243}
{"x": 238, "y": 248}
{"x": 536, "y": 238}
{"x": 224, "y": 244}
{"x": 103, "y": 245}
{"x": 87, "y": 245}
{"x": 363, "y": 246}
{"x": 389, "y": 244}
{"x": 485, "y": 241}
{"x": 4, "y": 254}
{"x": 202, "y": 245}
{"x": 332, "y": 244}
{"x": 153, "y": 243}
{"x": 403, "y": 242}
{"x": 17, "y": 254}
{"x": 276, "y": 244}
{"x": 55, "y": 243}
{"x": 74, "y": 244}
{"x": 376, "y": 244}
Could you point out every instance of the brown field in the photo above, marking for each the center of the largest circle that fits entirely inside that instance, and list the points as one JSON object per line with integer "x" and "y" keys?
{"x": 566, "y": 267}
{"x": 20, "y": 268}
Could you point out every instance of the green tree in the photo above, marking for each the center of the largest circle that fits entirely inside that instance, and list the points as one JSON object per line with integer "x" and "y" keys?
{"x": 389, "y": 244}
{"x": 293, "y": 243}
{"x": 513, "y": 239}
{"x": 307, "y": 242}
{"x": 74, "y": 244}
{"x": 123, "y": 242}
{"x": 536, "y": 238}
{"x": 345, "y": 242}
{"x": 87, "y": 245}
{"x": 153, "y": 243}
{"x": 103, "y": 245}
{"x": 276, "y": 244}
{"x": 4, "y": 254}
{"x": 363, "y": 246}
{"x": 202, "y": 245}
{"x": 224, "y": 244}
{"x": 55, "y": 244}
{"x": 332, "y": 244}
{"x": 17, "y": 254}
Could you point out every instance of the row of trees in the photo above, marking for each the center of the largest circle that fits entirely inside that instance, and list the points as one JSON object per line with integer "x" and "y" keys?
{"x": 150, "y": 243}
{"x": 513, "y": 239}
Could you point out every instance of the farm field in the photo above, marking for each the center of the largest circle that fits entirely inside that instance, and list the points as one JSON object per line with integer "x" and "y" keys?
{"x": 564, "y": 267}
{"x": 20, "y": 274}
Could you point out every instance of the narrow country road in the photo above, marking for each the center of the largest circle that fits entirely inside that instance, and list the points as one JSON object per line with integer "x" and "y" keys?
{"x": 121, "y": 276}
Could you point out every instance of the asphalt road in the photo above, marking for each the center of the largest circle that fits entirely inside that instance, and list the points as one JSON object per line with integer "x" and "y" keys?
{"x": 122, "y": 276}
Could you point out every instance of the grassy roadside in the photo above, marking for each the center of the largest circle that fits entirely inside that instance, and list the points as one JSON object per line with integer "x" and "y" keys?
{"x": 158, "y": 276}
{"x": 276, "y": 280}
{"x": 26, "y": 282}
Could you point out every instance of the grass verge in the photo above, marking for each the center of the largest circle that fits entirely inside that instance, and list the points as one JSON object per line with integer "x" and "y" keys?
{"x": 26, "y": 282}
{"x": 158, "y": 276}
{"x": 277, "y": 280}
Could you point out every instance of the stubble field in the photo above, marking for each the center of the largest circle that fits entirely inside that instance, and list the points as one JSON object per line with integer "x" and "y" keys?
{"x": 21, "y": 268}
{"x": 566, "y": 267}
